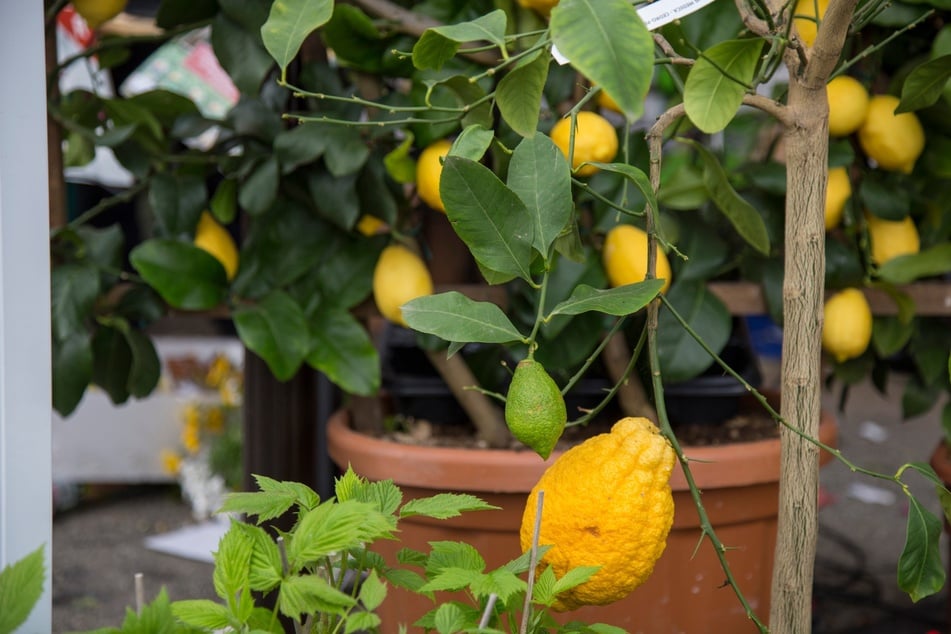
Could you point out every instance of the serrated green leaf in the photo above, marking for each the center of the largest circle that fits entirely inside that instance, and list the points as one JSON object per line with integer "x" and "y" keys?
{"x": 622, "y": 300}
{"x": 903, "y": 269}
{"x": 717, "y": 82}
{"x": 309, "y": 594}
{"x": 445, "y": 505}
{"x": 232, "y": 564}
{"x": 539, "y": 175}
{"x": 610, "y": 45}
{"x": 349, "y": 485}
{"x": 449, "y": 619}
{"x": 742, "y": 215}
{"x": 372, "y": 591}
{"x": 185, "y": 276}
{"x": 489, "y": 217}
{"x": 447, "y": 554}
{"x": 920, "y": 569}
{"x": 925, "y": 84}
{"x": 450, "y": 579}
{"x": 543, "y": 591}
{"x": 519, "y": 94}
{"x": 361, "y": 622}
{"x": 202, "y": 613}
{"x": 522, "y": 563}
{"x": 21, "y": 586}
{"x": 454, "y": 317}
{"x": 276, "y": 330}
{"x": 403, "y": 578}
{"x": 265, "y": 567}
{"x": 574, "y": 578}
{"x": 288, "y": 25}
{"x": 503, "y": 583}
{"x": 342, "y": 349}
{"x": 439, "y": 44}
{"x": 333, "y": 526}
{"x": 266, "y": 506}
{"x": 383, "y": 494}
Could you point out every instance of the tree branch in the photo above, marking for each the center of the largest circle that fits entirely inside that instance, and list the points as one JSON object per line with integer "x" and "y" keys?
{"x": 830, "y": 38}
{"x": 755, "y": 24}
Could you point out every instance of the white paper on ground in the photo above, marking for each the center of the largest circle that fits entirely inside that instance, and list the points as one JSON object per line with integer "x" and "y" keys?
{"x": 873, "y": 432}
{"x": 871, "y": 494}
{"x": 196, "y": 541}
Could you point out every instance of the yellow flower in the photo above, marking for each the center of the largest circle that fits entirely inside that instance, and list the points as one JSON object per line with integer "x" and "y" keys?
{"x": 215, "y": 420}
{"x": 191, "y": 438}
{"x": 230, "y": 393}
{"x": 219, "y": 371}
{"x": 171, "y": 462}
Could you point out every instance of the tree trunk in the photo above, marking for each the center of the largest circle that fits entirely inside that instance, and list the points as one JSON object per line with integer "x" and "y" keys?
{"x": 806, "y": 145}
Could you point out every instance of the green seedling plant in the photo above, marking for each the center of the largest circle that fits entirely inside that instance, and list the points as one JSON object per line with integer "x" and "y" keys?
{"x": 324, "y": 576}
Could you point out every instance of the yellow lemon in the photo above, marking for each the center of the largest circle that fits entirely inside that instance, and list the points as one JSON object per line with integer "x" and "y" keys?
{"x": 607, "y": 503}
{"x": 807, "y": 13}
{"x": 848, "y": 105}
{"x": 893, "y": 141}
{"x": 595, "y": 140}
{"x": 606, "y": 101}
{"x": 428, "y": 172}
{"x": 543, "y": 7}
{"x": 846, "y": 324}
{"x": 370, "y": 225}
{"x": 891, "y": 238}
{"x": 98, "y": 12}
{"x": 215, "y": 239}
{"x": 838, "y": 192}
{"x": 534, "y": 408}
{"x": 400, "y": 275}
{"x": 624, "y": 256}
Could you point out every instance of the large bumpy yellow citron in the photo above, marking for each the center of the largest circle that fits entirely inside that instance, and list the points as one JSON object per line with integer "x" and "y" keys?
{"x": 535, "y": 410}
{"x": 893, "y": 141}
{"x": 400, "y": 275}
{"x": 624, "y": 256}
{"x": 848, "y": 105}
{"x": 429, "y": 171}
{"x": 98, "y": 12}
{"x": 838, "y": 192}
{"x": 607, "y": 503}
{"x": 846, "y": 325}
{"x": 595, "y": 140}
{"x": 807, "y": 15}
{"x": 215, "y": 239}
{"x": 891, "y": 238}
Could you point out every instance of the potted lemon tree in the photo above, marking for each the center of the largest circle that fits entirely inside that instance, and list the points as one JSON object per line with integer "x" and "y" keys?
{"x": 722, "y": 181}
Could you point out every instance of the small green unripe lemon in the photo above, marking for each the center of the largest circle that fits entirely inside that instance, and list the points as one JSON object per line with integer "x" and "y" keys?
{"x": 534, "y": 408}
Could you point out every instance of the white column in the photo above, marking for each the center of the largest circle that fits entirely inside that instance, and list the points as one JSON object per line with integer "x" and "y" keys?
{"x": 25, "y": 400}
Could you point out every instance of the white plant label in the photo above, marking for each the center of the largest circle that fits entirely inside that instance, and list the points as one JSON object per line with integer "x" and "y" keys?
{"x": 655, "y": 15}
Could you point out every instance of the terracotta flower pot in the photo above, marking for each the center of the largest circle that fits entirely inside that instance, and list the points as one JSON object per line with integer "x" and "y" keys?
{"x": 686, "y": 592}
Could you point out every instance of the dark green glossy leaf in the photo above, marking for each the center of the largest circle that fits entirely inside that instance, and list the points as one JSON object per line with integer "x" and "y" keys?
{"x": 172, "y": 13}
{"x": 341, "y": 348}
{"x": 257, "y": 194}
{"x": 376, "y": 193}
{"x": 890, "y": 334}
{"x": 519, "y": 94}
{"x": 103, "y": 246}
{"x": 357, "y": 41}
{"x": 488, "y": 216}
{"x": 907, "y": 268}
{"x": 920, "y": 569}
{"x": 885, "y": 195}
{"x": 608, "y": 43}
{"x": 743, "y": 216}
{"x": 288, "y": 25}
{"x": 681, "y": 357}
{"x": 141, "y": 305}
{"x": 439, "y": 44}
{"x": 300, "y": 145}
{"x": 185, "y": 276}
{"x": 634, "y": 175}
{"x": 224, "y": 202}
{"x": 75, "y": 288}
{"x": 717, "y": 82}
{"x": 925, "y": 84}
{"x": 843, "y": 264}
{"x": 72, "y": 371}
{"x": 473, "y": 142}
{"x": 112, "y": 360}
{"x": 928, "y": 347}
{"x": 276, "y": 330}
{"x": 126, "y": 112}
{"x": 918, "y": 398}
{"x": 619, "y": 301}
{"x": 706, "y": 253}
{"x": 454, "y": 317}
{"x": 683, "y": 189}
{"x": 335, "y": 197}
{"x": 146, "y": 369}
{"x": 539, "y": 175}
{"x": 177, "y": 201}
{"x": 241, "y": 53}
{"x": 167, "y": 106}
{"x": 346, "y": 151}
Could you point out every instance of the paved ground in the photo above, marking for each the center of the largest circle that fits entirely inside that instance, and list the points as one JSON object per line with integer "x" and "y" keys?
{"x": 97, "y": 548}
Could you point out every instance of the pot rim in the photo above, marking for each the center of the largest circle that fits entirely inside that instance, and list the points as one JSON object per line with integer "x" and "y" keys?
{"x": 505, "y": 471}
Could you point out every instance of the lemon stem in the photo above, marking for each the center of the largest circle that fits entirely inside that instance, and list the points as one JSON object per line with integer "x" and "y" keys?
{"x": 539, "y": 310}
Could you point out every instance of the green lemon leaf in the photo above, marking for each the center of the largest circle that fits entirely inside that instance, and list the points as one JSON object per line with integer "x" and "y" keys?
{"x": 300, "y": 145}
{"x": 185, "y": 276}
{"x": 473, "y": 142}
{"x": 177, "y": 201}
{"x": 925, "y": 84}
{"x": 112, "y": 360}
{"x": 145, "y": 369}
{"x": 540, "y": 176}
{"x": 454, "y": 317}
{"x": 75, "y": 288}
{"x": 920, "y": 570}
{"x": 288, "y": 25}
{"x": 258, "y": 192}
{"x": 907, "y": 268}
{"x": 342, "y": 349}
{"x": 608, "y": 43}
{"x": 743, "y": 216}
{"x": 717, "y": 82}
{"x": 890, "y": 334}
{"x": 72, "y": 371}
{"x": 519, "y": 95}
{"x": 634, "y": 175}
{"x": 489, "y": 217}
{"x": 681, "y": 357}
{"x": 439, "y": 44}
{"x": 276, "y": 330}
{"x": 224, "y": 202}
{"x": 240, "y": 52}
{"x": 622, "y": 300}
{"x": 21, "y": 586}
